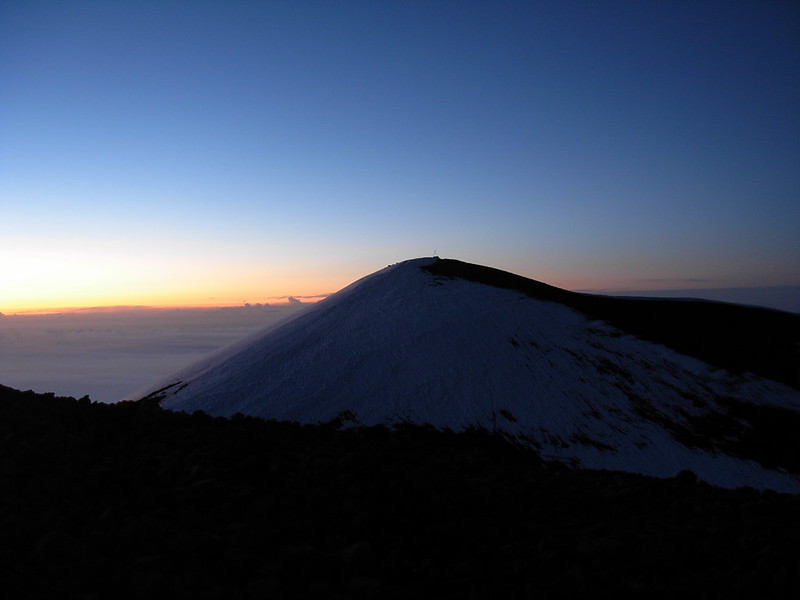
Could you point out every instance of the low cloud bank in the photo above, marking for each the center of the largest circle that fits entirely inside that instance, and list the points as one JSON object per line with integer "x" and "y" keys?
{"x": 111, "y": 353}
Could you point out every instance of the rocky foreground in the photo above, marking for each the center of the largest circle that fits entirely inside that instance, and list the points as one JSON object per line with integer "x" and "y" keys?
{"x": 129, "y": 500}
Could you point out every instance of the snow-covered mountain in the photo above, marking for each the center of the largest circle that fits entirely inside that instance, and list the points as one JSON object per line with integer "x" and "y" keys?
{"x": 458, "y": 345}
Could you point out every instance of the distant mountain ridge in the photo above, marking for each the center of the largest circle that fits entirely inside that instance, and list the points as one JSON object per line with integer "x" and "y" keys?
{"x": 646, "y": 386}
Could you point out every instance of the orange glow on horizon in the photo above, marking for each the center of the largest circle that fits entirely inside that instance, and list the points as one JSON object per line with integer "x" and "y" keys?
{"x": 48, "y": 283}
{"x": 39, "y": 298}
{"x": 42, "y": 299}
{"x": 82, "y": 308}
{"x": 107, "y": 303}
{"x": 45, "y": 282}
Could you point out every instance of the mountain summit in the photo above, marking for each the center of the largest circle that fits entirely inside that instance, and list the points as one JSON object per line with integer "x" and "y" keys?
{"x": 646, "y": 386}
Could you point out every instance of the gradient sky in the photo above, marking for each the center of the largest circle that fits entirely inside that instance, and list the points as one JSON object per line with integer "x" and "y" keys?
{"x": 216, "y": 152}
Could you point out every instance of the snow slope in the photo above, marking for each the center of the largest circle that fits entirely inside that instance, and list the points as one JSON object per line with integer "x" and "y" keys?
{"x": 404, "y": 344}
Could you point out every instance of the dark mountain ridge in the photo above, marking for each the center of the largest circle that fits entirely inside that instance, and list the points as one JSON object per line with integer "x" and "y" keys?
{"x": 730, "y": 336}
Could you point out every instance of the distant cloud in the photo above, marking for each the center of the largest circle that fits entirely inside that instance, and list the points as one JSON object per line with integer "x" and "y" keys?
{"x": 650, "y": 284}
{"x": 296, "y": 299}
{"x": 676, "y": 281}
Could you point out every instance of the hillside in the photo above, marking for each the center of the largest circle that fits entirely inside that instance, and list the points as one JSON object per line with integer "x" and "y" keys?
{"x": 643, "y": 386}
{"x": 130, "y": 500}
{"x": 731, "y": 336}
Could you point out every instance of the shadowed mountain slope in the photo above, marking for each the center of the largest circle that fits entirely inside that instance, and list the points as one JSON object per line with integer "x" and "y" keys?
{"x": 581, "y": 379}
{"x": 130, "y": 501}
{"x": 731, "y": 336}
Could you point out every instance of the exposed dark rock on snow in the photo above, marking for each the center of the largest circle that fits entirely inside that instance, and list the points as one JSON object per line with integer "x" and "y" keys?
{"x": 129, "y": 500}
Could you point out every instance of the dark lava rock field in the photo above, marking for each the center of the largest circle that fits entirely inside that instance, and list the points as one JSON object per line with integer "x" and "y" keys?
{"x": 131, "y": 501}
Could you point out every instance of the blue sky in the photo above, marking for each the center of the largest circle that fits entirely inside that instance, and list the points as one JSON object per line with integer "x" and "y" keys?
{"x": 216, "y": 152}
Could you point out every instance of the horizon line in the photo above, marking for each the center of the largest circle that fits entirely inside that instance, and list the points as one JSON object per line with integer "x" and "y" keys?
{"x": 289, "y": 300}
{"x": 54, "y": 310}
{"x": 616, "y": 290}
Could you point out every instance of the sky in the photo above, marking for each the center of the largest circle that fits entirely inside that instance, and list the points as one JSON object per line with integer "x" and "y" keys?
{"x": 220, "y": 152}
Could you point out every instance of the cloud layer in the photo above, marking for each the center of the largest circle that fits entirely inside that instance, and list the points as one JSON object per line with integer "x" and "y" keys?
{"x": 109, "y": 354}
